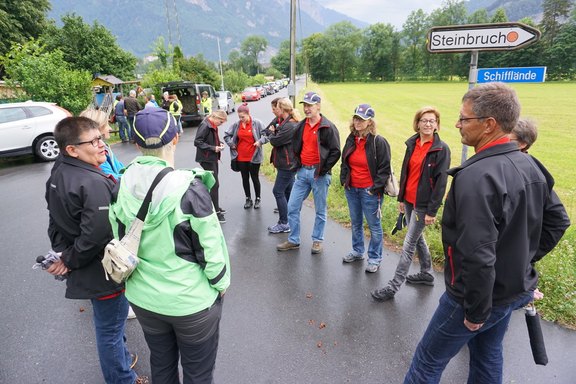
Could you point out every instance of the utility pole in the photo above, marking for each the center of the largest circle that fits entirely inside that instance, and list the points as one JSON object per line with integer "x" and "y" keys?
{"x": 292, "y": 84}
{"x": 220, "y": 60}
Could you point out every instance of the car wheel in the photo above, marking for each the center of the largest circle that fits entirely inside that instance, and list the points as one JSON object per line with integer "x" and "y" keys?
{"x": 47, "y": 149}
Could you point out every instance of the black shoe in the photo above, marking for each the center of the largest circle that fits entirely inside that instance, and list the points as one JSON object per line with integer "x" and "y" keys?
{"x": 221, "y": 210}
{"x": 383, "y": 294}
{"x": 276, "y": 210}
{"x": 248, "y": 203}
{"x": 221, "y": 217}
{"x": 420, "y": 278}
{"x": 257, "y": 203}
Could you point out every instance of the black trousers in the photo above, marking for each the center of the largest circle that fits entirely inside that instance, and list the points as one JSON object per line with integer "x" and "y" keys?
{"x": 213, "y": 166}
{"x": 249, "y": 171}
{"x": 193, "y": 339}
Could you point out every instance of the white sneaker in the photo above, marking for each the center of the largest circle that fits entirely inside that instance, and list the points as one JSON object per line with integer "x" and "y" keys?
{"x": 131, "y": 314}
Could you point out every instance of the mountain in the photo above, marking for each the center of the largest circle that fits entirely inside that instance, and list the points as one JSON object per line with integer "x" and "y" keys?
{"x": 515, "y": 9}
{"x": 194, "y": 25}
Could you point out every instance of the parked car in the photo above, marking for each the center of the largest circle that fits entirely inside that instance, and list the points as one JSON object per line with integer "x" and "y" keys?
{"x": 261, "y": 90}
{"x": 28, "y": 128}
{"x": 226, "y": 101}
{"x": 268, "y": 88}
{"x": 275, "y": 87}
{"x": 251, "y": 94}
{"x": 190, "y": 94}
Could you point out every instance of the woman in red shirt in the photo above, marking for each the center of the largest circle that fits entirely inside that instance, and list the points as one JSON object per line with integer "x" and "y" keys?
{"x": 245, "y": 139}
{"x": 364, "y": 170}
{"x": 422, "y": 187}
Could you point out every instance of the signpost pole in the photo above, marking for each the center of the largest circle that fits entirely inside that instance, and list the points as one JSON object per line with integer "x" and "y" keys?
{"x": 472, "y": 75}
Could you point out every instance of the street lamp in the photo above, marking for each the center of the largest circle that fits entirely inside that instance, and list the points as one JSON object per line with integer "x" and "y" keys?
{"x": 220, "y": 60}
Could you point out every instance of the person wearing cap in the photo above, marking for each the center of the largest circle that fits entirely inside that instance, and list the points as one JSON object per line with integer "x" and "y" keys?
{"x": 245, "y": 138}
{"x": 364, "y": 169}
{"x": 208, "y": 152}
{"x": 184, "y": 270}
{"x": 78, "y": 194}
{"x": 316, "y": 145}
{"x": 282, "y": 157}
{"x": 422, "y": 187}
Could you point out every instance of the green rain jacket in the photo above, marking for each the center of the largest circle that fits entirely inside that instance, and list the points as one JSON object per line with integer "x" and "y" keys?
{"x": 184, "y": 263}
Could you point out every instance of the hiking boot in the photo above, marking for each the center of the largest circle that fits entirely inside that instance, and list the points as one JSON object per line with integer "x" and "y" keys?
{"x": 279, "y": 228}
{"x": 248, "y": 203}
{"x": 420, "y": 278}
{"x": 257, "y": 203}
{"x": 352, "y": 257}
{"x": 383, "y": 294}
{"x": 287, "y": 246}
{"x": 316, "y": 247}
{"x": 221, "y": 217}
{"x": 276, "y": 210}
{"x": 142, "y": 380}
{"x": 372, "y": 268}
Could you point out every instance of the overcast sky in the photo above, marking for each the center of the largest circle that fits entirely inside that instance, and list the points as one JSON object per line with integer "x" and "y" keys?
{"x": 394, "y": 12}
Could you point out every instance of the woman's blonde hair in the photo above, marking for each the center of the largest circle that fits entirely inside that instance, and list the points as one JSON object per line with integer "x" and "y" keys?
{"x": 285, "y": 105}
{"x": 219, "y": 114}
{"x": 98, "y": 116}
{"x": 423, "y": 111}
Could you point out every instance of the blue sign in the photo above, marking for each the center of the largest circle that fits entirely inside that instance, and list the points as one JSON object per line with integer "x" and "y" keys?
{"x": 512, "y": 75}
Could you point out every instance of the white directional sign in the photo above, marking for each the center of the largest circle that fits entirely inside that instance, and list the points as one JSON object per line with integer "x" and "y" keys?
{"x": 481, "y": 37}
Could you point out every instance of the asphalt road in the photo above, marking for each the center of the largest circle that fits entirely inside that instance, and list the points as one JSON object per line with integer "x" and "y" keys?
{"x": 288, "y": 317}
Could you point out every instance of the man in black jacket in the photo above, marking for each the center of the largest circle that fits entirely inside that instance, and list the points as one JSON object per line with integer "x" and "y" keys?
{"x": 500, "y": 218}
{"x": 78, "y": 195}
{"x": 316, "y": 144}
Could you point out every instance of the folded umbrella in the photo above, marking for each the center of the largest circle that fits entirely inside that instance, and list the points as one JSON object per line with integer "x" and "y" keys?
{"x": 400, "y": 223}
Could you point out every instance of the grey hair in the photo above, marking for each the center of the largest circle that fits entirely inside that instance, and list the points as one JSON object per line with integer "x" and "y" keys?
{"x": 163, "y": 152}
{"x": 132, "y": 93}
{"x": 526, "y": 132}
{"x": 496, "y": 100}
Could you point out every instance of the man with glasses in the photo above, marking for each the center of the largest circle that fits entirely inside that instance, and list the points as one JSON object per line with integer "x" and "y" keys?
{"x": 78, "y": 195}
{"x": 500, "y": 218}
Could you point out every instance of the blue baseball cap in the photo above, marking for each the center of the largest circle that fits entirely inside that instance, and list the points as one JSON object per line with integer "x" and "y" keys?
{"x": 364, "y": 111}
{"x": 154, "y": 123}
{"x": 311, "y": 98}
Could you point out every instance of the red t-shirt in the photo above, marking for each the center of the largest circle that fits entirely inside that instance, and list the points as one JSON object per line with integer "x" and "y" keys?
{"x": 245, "y": 146}
{"x": 415, "y": 170}
{"x": 310, "y": 154}
{"x": 359, "y": 172}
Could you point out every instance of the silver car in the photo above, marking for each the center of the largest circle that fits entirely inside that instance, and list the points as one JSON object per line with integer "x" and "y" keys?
{"x": 226, "y": 101}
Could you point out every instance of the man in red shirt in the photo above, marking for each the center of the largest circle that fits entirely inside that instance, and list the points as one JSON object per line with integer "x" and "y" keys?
{"x": 317, "y": 149}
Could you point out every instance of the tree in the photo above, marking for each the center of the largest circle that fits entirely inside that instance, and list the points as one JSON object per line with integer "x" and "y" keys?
{"x": 379, "y": 53}
{"x": 46, "y": 76}
{"x": 156, "y": 77}
{"x": 499, "y": 16}
{"x": 344, "y": 46}
{"x": 315, "y": 49}
{"x": 553, "y": 13}
{"x": 251, "y": 48}
{"x": 197, "y": 70}
{"x": 21, "y": 21}
{"x": 91, "y": 48}
{"x": 414, "y": 33}
{"x": 236, "y": 81}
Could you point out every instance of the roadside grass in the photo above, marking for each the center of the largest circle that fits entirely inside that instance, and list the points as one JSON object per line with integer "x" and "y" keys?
{"x": 550, "y": 105}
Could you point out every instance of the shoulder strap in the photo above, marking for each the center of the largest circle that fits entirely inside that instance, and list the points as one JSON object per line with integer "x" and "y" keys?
{"x": 146, "y": 203}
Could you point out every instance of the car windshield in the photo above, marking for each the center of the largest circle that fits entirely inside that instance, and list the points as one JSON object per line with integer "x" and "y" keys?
{"x": 250, "y": 89}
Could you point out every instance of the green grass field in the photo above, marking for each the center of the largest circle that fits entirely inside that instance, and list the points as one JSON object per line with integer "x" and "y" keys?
{"x": 550, "y": 105}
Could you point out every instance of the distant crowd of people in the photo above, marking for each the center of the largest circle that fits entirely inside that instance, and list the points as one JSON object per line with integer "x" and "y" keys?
{"x": 501, "y": 215}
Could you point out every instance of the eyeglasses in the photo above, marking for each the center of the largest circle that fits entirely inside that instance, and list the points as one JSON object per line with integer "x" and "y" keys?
{"x": 94, "y": 142}
{"x": 431, "y": 121}
{"x": 461, "y": 119}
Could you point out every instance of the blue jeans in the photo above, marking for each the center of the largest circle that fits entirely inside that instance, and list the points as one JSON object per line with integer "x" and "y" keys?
{"x": 123, "y": 127}
{"x": 362, "y": 204}
{"x": 304, "y": 184}
{"x": 110, "y": 322}
{"x": 446, "y": 335}
{"x": 282, "y": 188}
{"x": 413, "y": 241}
